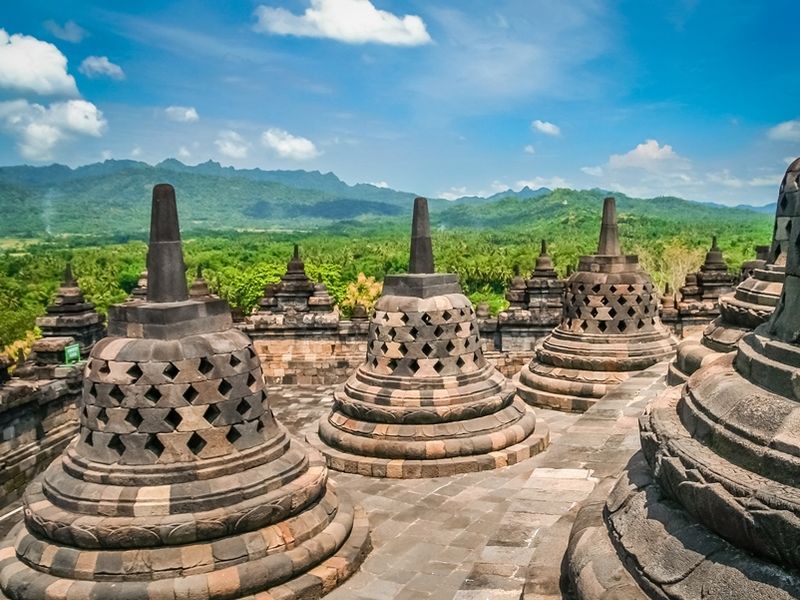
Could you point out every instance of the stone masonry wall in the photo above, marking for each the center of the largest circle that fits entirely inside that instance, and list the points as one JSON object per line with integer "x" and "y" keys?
{"x": 325, "y": 358}
{"x": 37, "y": 420}
{"x": 318, "y": 359}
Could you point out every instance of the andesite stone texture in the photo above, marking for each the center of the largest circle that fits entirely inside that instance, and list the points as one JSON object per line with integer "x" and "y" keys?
{"x": 537, "y": 301}
{"x": 701, "y": 291}
{"x": 295, "y": 302}
{"x": 751, "y": 303}
{"x": 180, "y": 483}
{"x": 70, "y": 315}
{"x": 610, "y": 328}
{"x": 140, "y": 291}
{"x": 37, "y": 413}
{"x": 714, "y": 512}
{"x": 426, "y": 403}
{"x": 298, "y": 333}
{"x": 759, "y": 262}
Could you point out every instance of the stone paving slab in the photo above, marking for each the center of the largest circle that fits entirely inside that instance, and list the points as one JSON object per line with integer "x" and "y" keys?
{"x": 467, "y": 536}
{"x": 483, "y": 535}
{"x": 575, "y": 465}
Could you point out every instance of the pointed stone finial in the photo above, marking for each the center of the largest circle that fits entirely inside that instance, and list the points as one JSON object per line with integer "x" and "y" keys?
{"x": 543, "y": 251}
{"x": 609, "y": 234}
{"x": 166, "y": 271}
{"x": 296, "y": 264}
{"x": 714, "y": 244}
{"x": 69, "y": 278}
{"x": 421, "y": 248}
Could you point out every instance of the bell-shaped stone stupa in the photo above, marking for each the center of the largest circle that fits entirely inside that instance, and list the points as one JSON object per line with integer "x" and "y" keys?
{"x": 714, "y": 512}
{"x": 180, "y": 483}
{"x": 753, "y": 300}
{"x": 610, "y": 329}
{"x": 426, "y": 402}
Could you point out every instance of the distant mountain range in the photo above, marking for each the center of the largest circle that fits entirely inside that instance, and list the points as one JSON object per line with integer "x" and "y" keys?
{"x": 113, "y": 198}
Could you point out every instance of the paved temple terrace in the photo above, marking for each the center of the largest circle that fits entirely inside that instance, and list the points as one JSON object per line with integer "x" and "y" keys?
{"x": 481, "y": 535}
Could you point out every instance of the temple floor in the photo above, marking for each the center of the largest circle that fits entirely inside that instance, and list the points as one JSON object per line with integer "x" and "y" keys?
{"x": 492, "y": 534}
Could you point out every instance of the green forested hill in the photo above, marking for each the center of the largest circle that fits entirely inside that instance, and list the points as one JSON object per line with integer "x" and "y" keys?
{"x": 113, "y": 199}
{"x": 240, "y": 227}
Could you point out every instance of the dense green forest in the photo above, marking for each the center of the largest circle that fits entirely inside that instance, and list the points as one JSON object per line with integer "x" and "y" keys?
{"x": 483, "y": 242}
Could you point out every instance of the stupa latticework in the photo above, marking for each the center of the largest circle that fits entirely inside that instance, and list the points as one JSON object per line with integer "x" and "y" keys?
{"x": 180, "y": 483}
{"x": 610, "y": 329}
{"x": 751, "y": 303}
{"x": 711, "y": 506}
{"x": 426, "y": 403}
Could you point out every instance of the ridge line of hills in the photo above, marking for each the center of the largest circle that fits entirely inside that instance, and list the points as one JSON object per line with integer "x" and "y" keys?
{"x": 112, "y": 198}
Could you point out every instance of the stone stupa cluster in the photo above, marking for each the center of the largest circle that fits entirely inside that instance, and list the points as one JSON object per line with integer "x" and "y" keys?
{"x": 711, "y": 506}
{"x": 181, "y": 485}
{"x": 538, "y": 299}
{"x": 750, "y": 304}
{"x": 610, "y": 329}
{"x": 426, "y": 402}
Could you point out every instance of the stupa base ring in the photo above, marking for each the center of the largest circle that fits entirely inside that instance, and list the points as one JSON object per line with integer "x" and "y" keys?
{"x": 232, "y": 583}
{"x": 644, "y": 546}
{"x": 675, "y": 376}
{"x": 400, "y": 468}
{"x": 563, "y": 394}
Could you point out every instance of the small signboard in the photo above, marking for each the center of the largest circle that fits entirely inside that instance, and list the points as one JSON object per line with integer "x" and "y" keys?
{"x": 72, "y": 354}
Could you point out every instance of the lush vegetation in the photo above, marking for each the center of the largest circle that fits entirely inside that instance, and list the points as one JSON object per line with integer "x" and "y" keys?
{"x": 484, "y": 243}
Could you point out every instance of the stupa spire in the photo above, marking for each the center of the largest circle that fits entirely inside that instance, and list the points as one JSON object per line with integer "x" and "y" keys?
{"x": 69, "y": 278}
{"x": 166, "y": 271}
{"x": 421, "y": 248}
{"x": 609, "y": 233}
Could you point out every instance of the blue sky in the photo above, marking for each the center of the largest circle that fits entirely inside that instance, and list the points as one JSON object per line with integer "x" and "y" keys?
{"x": 692, "y": 98}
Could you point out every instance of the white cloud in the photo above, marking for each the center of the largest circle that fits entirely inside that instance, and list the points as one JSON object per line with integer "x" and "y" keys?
{"x": 766, "y": 181}
{"x": 788, "y": 131}
{"x": 349, "y": 21}
{"x": 454, "y": 193}
{"x": 286, "y": 145}
{"x": 182, "y": 114}
{"x": 546, "y": 127}
{"x": 593, "y": 171}
{"x": 136, "y": 152}
{"x": 478, "y": 64}
{"x": 380, "y": 184}
{"x": 183, "y": 152}
{"x": 29, "y": 65}
{"x": 650, "y": 156}
{"x": 548, "y": 182}
{"x": 69, "y": 32}
{"x": 231, "y": 144}
{"x": 106, "y": 154}
{"x": 99, "y": 66}
{"x": 529, "y": 149}
{"x": 39, "y": 129}
{"x": 497, "y": 186}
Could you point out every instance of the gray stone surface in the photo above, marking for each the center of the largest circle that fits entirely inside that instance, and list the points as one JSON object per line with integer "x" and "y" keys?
{"x": 609, "y": 330}
{"x": 180, "y": 483}
{"x": 715, "y": 510}
{"x": 482, "y": 535}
